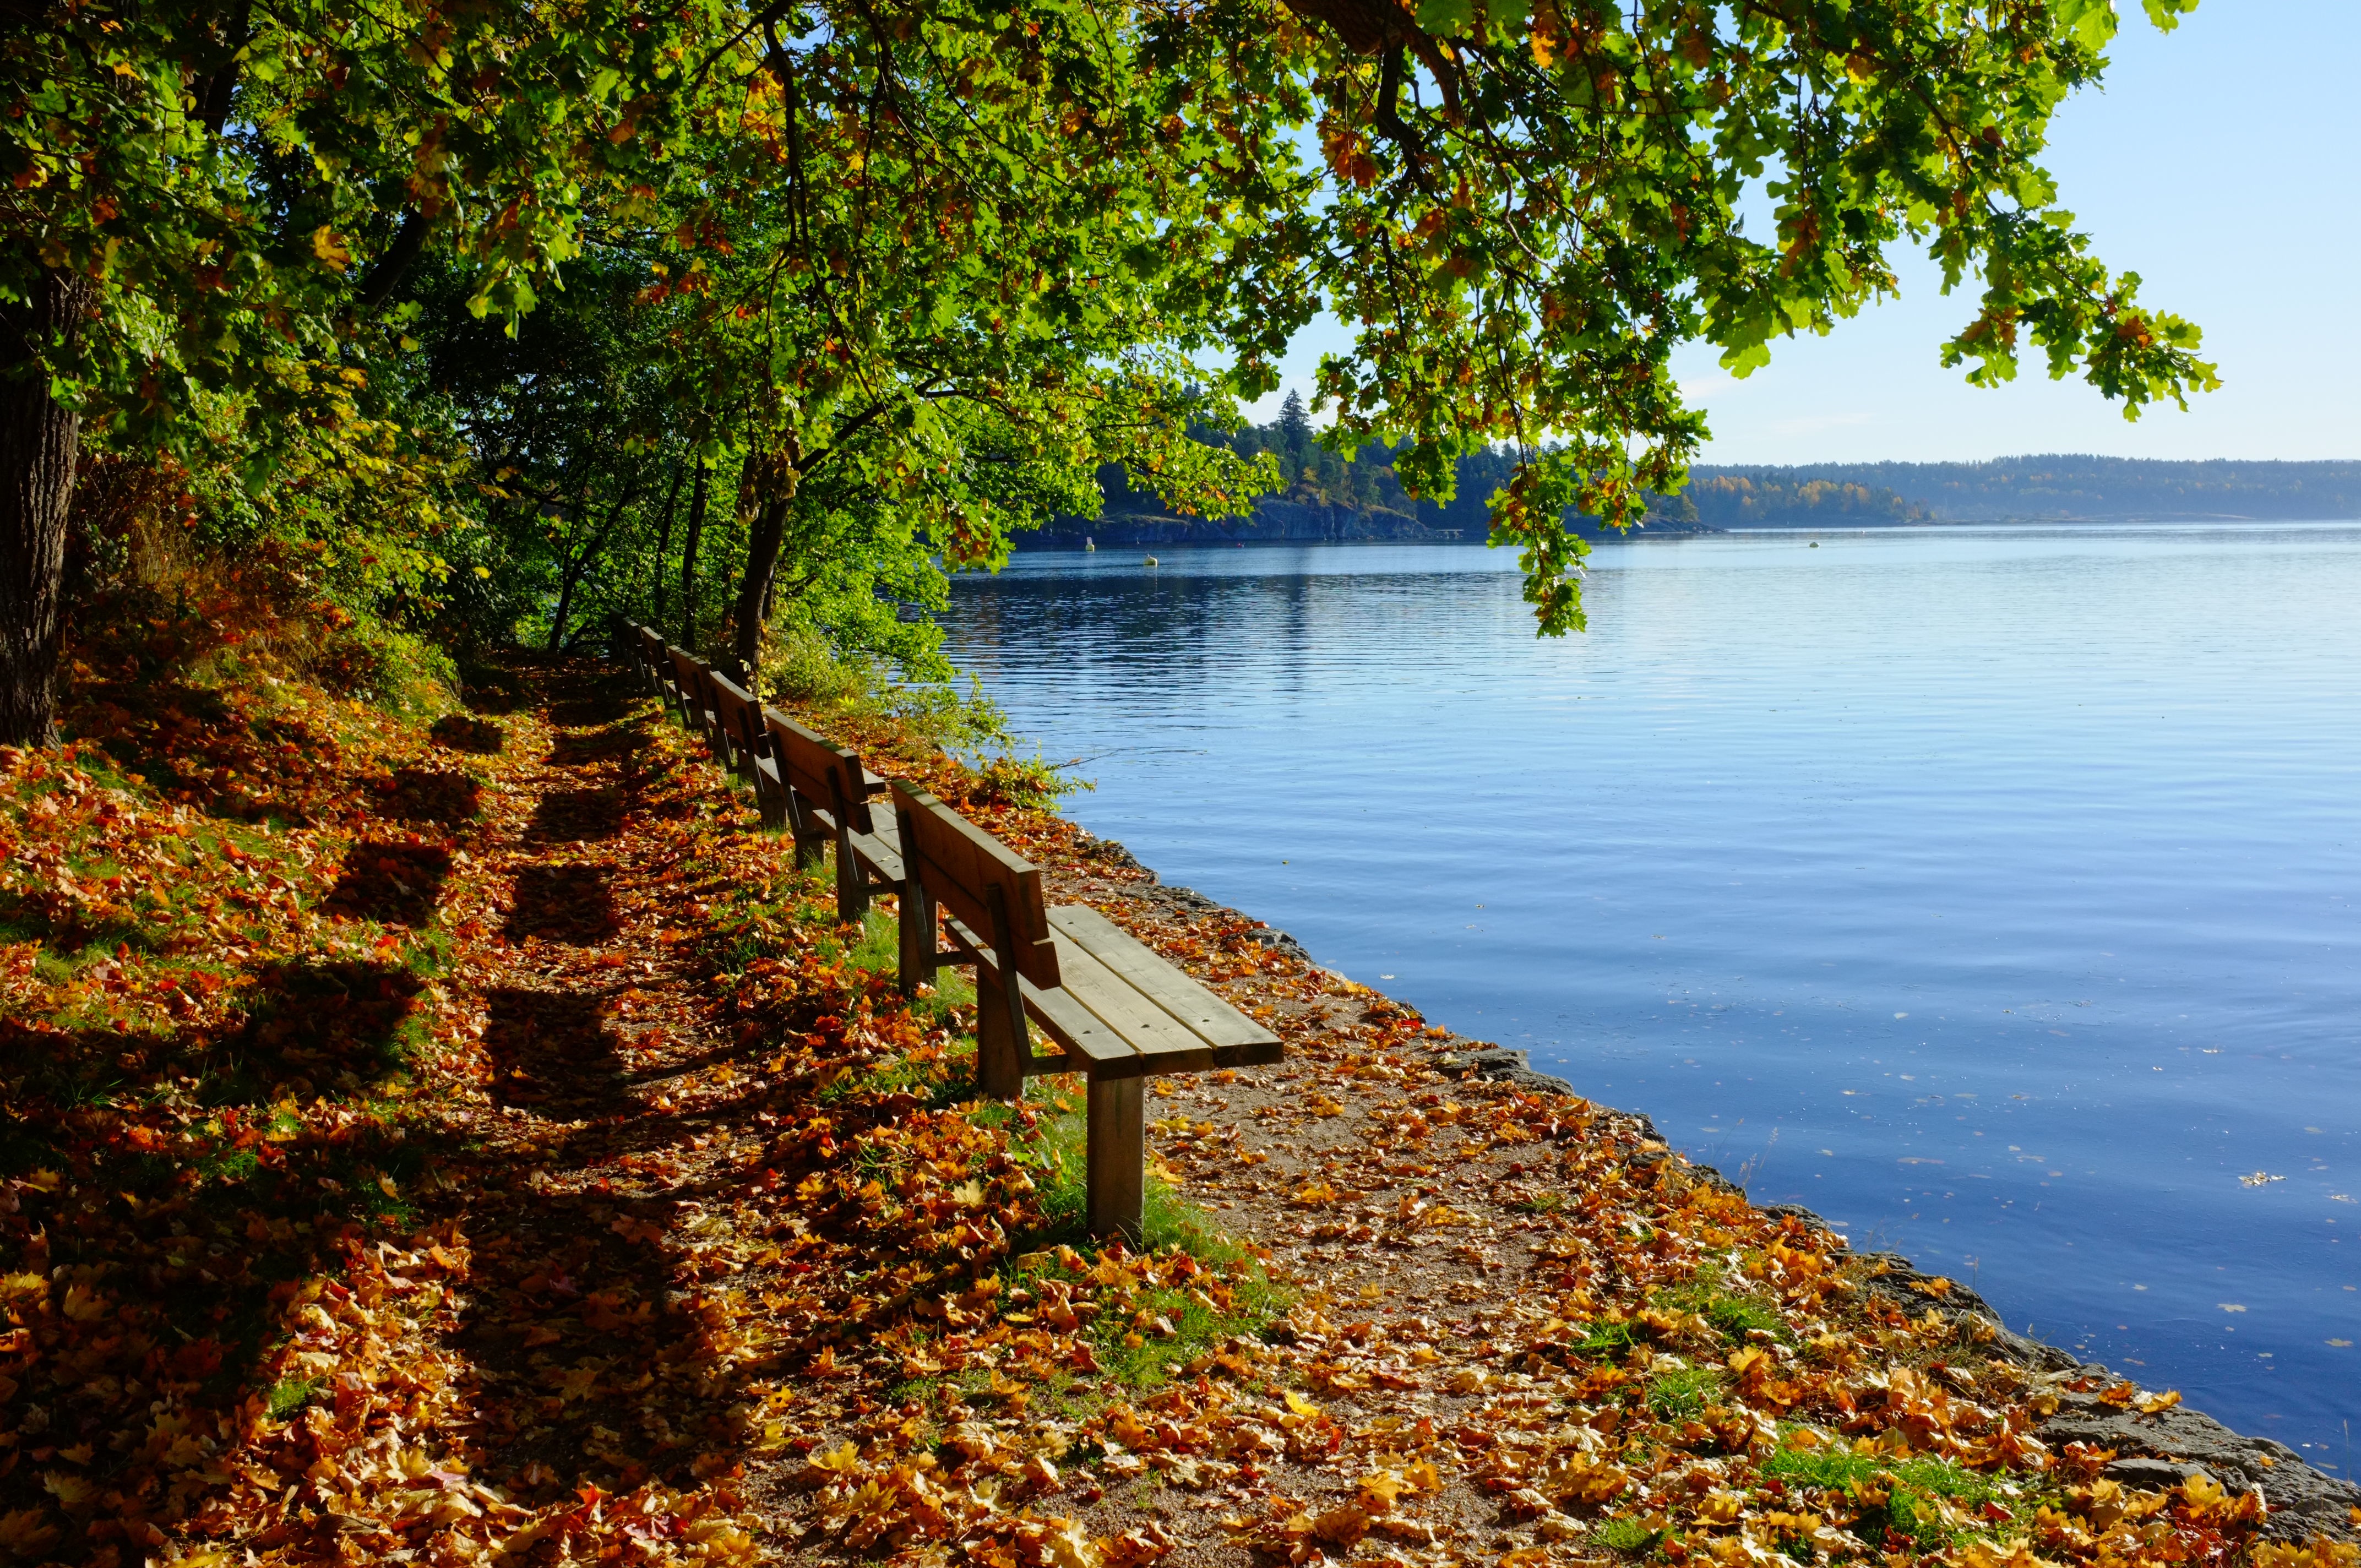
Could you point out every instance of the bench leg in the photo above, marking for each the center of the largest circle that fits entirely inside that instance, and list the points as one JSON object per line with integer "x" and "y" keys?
{"x": 917, "y": 945}
{"x": 852, "y": 885}
{"x": 1002, "y": 1044}
{"x": 806, "y": 838}
{"x": 1116, "y": 1157}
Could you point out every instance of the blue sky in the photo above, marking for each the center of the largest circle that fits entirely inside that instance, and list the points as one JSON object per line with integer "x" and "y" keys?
{"x": 2222, "y": 163}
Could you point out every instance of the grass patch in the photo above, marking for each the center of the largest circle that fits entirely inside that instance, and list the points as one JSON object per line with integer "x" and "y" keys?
{"x": 1894, "y": 1495}
{"x": 1629, "y": 1537}
{"x": 1735, "y": 1313}
{"x": 1683, "y": 1393}
{"x": 1606, "y": 1339}
{"x": 1198, "y": 1327}
{"x": 291, "y": 1395}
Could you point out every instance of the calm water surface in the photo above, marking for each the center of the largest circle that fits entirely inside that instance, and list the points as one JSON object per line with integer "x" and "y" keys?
{"x": 1993, "y": 892}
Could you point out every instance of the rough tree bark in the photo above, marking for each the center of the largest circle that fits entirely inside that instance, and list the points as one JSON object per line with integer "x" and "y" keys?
{"x": 663, "y": 543}
{"x": 40, "y": 440}
{"x": 764, "y": 539}
{"x": 689, "y": 560}
{"x": 576, "y": 567}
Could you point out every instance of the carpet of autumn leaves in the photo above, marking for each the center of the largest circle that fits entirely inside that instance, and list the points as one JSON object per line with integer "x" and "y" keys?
{"x": 477, "y": 1143}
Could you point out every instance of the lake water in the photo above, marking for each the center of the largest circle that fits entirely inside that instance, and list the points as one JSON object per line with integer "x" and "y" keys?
{"x": 1991, "y": 891}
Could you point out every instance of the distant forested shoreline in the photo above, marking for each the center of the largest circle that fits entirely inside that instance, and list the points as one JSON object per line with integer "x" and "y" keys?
{"x": 1330, "y": 497}
{"x": 2082, "y": 487}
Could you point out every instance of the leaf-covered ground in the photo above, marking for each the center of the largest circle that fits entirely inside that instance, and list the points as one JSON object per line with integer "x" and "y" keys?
{"x": 480, "y": 1145}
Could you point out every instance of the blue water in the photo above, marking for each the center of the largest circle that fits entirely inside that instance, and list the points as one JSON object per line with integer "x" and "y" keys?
{"x": 1991, "y": 891}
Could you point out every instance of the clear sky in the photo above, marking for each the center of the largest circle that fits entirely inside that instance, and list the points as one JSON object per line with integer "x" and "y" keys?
{"x": 2222, "y": 163}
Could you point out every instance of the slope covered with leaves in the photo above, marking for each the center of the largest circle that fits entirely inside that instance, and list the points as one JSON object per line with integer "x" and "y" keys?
{"x": 480, "y": 1144}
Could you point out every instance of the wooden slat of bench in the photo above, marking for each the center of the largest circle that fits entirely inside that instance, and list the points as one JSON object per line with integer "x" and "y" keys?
{"x": 1235, "y": 1039}
{"x": 960, "y": 863}
{"x": 807, "y": 759}
{"x": 880, "y": 854}
{"x": 1090, "y": 1045}
{"x": 1162, "y": 1042}
{"x": 1086, "y": 1039}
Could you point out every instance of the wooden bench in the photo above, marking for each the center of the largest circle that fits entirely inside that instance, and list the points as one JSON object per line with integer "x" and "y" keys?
{"x": 693, "y": 677}
{"x": 652, "y": 662}
{"x": 740, "y": 720}
{"x": 1118, "y": 1012}
{"x": 648, "y": 660}
{"x": 668, "y": 679}
{"x": 825, "y": 793}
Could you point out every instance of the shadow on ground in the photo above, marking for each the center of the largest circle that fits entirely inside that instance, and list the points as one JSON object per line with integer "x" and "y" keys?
{"x": 569, "y": 904}
{"x": 395, "y": 883}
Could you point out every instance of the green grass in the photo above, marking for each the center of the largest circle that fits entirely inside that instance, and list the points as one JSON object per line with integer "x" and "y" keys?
{"x": 1683, "y": 1393}
{"x": 1606, "y": 1339}
{"x": 1197, "y": 1329}
{"x": 1627, "y": 1535}
{"x": 1734, "y": 1313}
{"x": 291, "y": 1395}
{"x": 1909, "y": 1486}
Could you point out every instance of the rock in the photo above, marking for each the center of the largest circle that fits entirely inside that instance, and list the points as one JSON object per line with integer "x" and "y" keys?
{"x": 1500, "y": 1065}
{"x": 2153, "y": 1474}
{"x": 2176, "y": 1441}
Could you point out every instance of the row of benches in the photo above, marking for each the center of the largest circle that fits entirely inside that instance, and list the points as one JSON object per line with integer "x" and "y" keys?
{"x": 1116, "y": 1011}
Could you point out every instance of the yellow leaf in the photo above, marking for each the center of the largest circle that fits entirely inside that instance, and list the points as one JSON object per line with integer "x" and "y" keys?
{"x": 331, "y": 248}
{"x": 26, "y": 1532}
{"x": 2163, "y": 1401}
{"x": 1342, "y": 1527}
{"x": 75, "y": 1494}
{"x": 1300, "y": 1405}
{"x": 841, "y": 1460}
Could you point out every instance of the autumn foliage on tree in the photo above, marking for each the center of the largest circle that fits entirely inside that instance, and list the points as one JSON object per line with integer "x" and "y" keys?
{"x": 876, "y": 287}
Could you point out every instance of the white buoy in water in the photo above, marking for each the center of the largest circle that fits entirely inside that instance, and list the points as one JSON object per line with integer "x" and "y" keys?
{"x": 1086, "y": 543}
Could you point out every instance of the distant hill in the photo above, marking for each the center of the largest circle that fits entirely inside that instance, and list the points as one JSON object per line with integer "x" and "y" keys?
{"x": 2066, "y": 485}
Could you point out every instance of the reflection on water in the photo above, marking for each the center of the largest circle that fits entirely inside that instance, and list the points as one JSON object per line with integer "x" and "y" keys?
{"x": 1991, "y": 891}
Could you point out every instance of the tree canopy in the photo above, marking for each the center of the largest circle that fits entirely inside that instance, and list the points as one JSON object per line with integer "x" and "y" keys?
{"x": 757, "y": 314}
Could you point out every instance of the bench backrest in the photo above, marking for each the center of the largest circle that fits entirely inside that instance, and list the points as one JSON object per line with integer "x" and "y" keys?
{"x": 740, "y": 715}
{"x": 819, "y": 771}
{"x": 689, "y": 675}
{"x": 962, "y": 866}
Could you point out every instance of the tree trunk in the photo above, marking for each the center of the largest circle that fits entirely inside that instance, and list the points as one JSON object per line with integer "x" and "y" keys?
{"x": 763, "y": 543}
{"x": 39, "y": 442}
{"x": 663, "y": 544}
{"x": 688, "y": 561}
{"x": 578, "y": 567}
